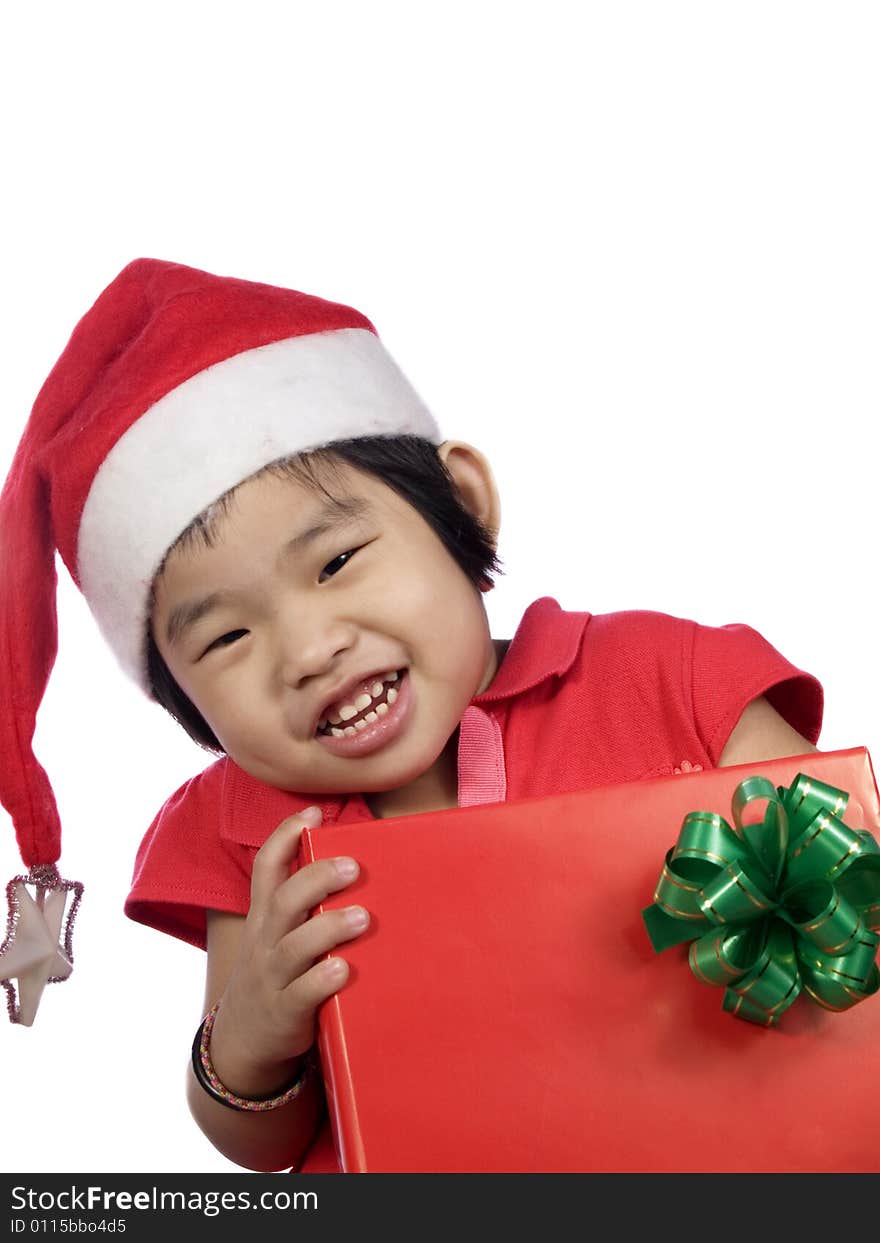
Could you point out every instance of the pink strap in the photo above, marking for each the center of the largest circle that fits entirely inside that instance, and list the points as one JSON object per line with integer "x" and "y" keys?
{"x": 481, "y": 776}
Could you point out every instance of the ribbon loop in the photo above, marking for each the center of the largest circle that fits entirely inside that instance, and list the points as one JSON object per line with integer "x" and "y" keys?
{"x": 823, "y": 917}
{"x": 772, "y": 984}
{"x": 768, "y": 838}
{"x": 733, "y": 897}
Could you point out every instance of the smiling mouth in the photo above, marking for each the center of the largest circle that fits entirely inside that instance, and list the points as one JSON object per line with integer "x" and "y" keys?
{"x": 374, "y": 701}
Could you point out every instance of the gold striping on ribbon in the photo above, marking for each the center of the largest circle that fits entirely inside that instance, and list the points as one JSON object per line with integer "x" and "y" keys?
{"x": 823, "y": 824}
{"x": 707, "y": 906}
{"x": 807, "y": 787}
{"x": 870, "y": 914}
{"x": 751, "y": 984}
{"x": 835, "y": 949}
{"x": 826, "y": 917}
{"x": 768, "y": 1022}
{"x": 679, "y": 883}
{"x": 841, "y": 975}
{"x": 779, "y": 1005}
{"x": 762, "y": 906}
{"x": 734, "y": 971}
{"x": 705, "y": 854}
{"x": 824, "y": 1004}
{"x": 843, "y": 858}
{"x": 673, "y": 911}
{"x": 695, "y": 968}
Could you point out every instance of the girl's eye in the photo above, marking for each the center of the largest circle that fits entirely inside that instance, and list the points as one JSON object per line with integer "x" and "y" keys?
{"x": 334, "y": 566}
{"x": 224, "y": 640}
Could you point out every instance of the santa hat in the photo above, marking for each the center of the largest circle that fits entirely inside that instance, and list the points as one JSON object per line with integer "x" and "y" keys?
{"x": 174, "y": 387}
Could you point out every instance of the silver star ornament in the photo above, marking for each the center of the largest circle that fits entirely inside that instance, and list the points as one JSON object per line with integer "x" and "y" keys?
{"x": 32, "y": 954}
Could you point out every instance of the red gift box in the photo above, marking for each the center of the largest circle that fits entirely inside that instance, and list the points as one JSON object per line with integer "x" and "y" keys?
{"x": 506, "y": 1011}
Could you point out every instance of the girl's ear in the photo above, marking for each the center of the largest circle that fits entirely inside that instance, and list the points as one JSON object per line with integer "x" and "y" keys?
{"x": 474, "y": 482}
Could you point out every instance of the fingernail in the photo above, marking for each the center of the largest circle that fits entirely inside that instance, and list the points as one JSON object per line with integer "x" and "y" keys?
{"x": 335, "y": 967}
{"x": 356, "y": 917}
{"x": 311, "y": 815}
{"x": 346, "y": 868}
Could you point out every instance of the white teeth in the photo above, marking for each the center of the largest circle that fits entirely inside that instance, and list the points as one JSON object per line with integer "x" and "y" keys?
{"x": 359, "y": 725}
{"x": 345, "y": 712}
{"x": 349, "y": 731}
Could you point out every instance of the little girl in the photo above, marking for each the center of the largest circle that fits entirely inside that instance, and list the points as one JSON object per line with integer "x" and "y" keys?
{"x": 281, "y": 548}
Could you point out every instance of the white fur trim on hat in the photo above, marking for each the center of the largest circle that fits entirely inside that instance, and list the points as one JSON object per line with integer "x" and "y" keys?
{"x": 211, "y": 433}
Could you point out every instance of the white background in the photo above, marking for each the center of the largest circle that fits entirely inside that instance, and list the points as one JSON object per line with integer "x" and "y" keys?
{"x": 628, "y": 249}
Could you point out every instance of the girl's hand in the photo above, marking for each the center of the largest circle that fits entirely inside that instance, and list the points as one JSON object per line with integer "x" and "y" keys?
{"x": 266, "y": 1017}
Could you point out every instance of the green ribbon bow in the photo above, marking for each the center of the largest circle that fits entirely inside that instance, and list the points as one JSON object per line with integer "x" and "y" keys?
{"x": 786, "y": 903}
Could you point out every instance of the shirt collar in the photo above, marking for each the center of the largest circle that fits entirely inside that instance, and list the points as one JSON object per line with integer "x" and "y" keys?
{"x": 250, "y": 810}
{"x": 545, "y": 645}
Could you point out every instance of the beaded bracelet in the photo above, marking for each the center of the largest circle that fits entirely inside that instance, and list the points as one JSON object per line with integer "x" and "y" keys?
{"x": 207, "y": 1076}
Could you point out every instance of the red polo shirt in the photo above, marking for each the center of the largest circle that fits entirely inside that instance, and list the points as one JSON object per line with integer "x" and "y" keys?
{"x": 578, "y": 701}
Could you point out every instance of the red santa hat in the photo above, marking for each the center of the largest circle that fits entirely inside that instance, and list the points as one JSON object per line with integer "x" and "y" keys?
{"x": 174, "y": 387}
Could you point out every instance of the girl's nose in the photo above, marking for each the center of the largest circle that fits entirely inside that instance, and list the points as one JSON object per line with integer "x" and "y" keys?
{"x": 310, "y": 650}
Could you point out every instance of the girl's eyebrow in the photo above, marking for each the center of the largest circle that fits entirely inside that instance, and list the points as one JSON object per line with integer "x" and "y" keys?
{"x": 186, "y": 615}
{"x": 335, "y": 512}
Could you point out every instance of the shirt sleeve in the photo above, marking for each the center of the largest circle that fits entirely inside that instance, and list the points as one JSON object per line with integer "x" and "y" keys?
{"x": 184, "y": 866}
{"x": 732, "y": 665}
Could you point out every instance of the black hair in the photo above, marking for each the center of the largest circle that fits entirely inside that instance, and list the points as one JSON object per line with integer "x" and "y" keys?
{"x": 411, "y": 466}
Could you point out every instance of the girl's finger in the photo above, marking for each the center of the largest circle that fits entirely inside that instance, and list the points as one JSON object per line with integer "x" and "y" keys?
{"x": 275, "y": 858}
{"x": 297, "y": 952}
{"x": 321, "y": 981}
{"x": 293, "y": 901}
